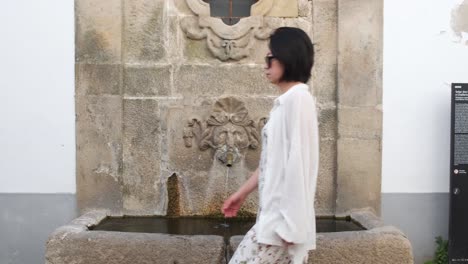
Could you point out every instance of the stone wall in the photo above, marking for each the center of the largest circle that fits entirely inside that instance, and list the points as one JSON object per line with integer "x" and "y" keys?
{"x": 144, "y": 70}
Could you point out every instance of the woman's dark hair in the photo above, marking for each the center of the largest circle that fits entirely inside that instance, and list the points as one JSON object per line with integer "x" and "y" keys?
{"x": 294, "y": 49}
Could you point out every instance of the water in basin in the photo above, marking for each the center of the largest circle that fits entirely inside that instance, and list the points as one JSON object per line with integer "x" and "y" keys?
{"x": 206, "y": 226}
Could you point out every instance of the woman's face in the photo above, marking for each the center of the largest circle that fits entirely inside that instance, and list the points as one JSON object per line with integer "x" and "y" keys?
{"x": 275, "y": 71}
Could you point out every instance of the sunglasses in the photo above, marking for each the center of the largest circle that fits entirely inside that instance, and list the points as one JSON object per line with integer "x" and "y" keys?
{"x": 268, "y": 59}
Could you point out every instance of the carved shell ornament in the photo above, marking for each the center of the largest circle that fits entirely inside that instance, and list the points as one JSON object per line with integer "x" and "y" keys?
{"x": 227, "y": 41}
{"x": 228, "y": 130}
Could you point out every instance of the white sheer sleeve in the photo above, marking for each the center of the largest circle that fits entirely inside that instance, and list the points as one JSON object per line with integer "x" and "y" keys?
{"x": 301, "y": 169}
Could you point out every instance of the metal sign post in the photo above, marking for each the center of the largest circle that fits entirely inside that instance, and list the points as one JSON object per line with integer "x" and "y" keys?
{"x": 458, "y": 215}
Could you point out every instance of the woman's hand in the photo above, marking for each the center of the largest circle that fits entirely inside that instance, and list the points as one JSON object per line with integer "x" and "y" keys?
{"x": 232, "y": 204}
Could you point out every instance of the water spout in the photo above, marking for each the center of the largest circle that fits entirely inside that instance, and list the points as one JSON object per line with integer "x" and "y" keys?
{"x": 229, "y": 159}
{"x": 226, "y": 190}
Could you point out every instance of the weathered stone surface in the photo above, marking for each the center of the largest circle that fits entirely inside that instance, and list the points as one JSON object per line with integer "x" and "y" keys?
{"x": 197, "y": 52}
{"x": 204, "y": 181}
{"x": 260, "y": 47}
{"x": 99, "y": 152}
{"x": 208, "y": 39}
{"x": 279, "y": 8}
{"x": 366, "y": 217}
{"x": 180, "y": 156}
{"x": 174, "y": 41}
{"x": 362, "y": 122}
{"x": 90, "y": 218}
{"x": 305, "y": 8}
{"x": 325, "y": 19}
{"x": 324, "y": 80}
{"x": 257, "y": 54}
{"x": 98, "y": 31}
{"x": 300, "y": 22}
{"x": 147, "y": 80}
{"x": 223, "y": 42}
{"x": 74, "y": 243}
{"x": 234, "y": 242}
{"x": 324, "y": 72}
{"x": 208, "y": 80}
{"x": 359, "y": 86}
{"x": 109, "y": 248}
{"x": 201, "y": 8}
{"x": 358, "y": 175}
{"x": 328, "y": 123}
{"x": 191, "y": 165}
{"x": 325, "y": 196}
{"x": 360, "y": 49}
{"x": 141, "y": 158}
{"x": 179, "y": 7}
{"x": 379, "y": 245}
{"x": 97, "y": 79}
{"x": 144, "y": 31}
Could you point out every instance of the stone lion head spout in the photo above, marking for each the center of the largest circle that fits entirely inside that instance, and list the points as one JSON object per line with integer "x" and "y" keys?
{"x": 228, "y": 130}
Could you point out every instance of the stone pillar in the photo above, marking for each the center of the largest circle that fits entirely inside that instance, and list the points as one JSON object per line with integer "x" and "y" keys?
{"x": 360, "y": 37}
{"x": 98, "y": 101}
{"x": 324, "y": 84}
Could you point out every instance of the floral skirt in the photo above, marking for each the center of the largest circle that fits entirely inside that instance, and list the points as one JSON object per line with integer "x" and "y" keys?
{"x": 250, "y": 251}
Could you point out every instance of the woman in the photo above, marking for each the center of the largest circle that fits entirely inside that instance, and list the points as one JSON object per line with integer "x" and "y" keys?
{"x": 284, "y": 231}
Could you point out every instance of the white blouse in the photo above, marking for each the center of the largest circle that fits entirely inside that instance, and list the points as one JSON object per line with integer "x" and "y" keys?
{"x": 288, "y": 173}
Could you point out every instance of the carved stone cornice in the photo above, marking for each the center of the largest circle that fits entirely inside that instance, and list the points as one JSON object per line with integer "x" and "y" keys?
{"x": 227, "y": 41}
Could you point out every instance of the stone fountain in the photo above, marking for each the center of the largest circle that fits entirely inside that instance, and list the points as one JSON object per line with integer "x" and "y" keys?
{"x": 170, "y": 101}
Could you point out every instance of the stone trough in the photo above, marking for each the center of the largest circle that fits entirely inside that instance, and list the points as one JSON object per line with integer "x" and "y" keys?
{"x": 78, "y": 243}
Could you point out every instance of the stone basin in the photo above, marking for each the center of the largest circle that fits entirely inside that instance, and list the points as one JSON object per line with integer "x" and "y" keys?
{"x": 98, "y": 237}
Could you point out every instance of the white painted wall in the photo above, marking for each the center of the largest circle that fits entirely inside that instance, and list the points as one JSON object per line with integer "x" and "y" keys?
{"x": 37, "y": 142}
{"x": 422, "y": 58}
